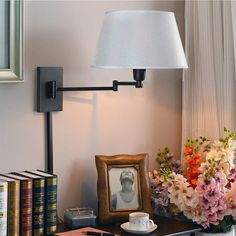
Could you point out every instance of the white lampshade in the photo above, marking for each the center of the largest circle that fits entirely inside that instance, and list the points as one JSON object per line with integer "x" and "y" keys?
{"x": 140, "y": 39}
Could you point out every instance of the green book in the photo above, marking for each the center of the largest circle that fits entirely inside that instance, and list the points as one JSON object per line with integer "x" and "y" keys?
{"x": 50, "y": 213}
{"x": 13, "y": 206}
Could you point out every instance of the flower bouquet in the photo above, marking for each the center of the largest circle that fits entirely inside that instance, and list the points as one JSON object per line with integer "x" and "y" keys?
{"x": 205, "y": 190}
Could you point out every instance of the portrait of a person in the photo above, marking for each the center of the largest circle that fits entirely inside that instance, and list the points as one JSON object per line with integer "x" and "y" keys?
{"x": 126, "y": 196}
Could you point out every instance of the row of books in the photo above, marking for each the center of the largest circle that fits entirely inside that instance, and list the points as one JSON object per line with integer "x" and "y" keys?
{"x": 28, "y": 203}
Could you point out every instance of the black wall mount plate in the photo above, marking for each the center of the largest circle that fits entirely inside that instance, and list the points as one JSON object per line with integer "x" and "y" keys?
{"x": 45, "y": 75}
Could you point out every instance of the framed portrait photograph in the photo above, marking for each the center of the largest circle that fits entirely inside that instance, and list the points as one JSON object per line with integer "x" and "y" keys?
{"x": 123, "y": 186}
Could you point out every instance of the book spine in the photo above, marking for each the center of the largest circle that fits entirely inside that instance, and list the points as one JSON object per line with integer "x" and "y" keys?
{"x": 26, "y": 207}
{"x": 3, "y": 208}
{"x": 13, "y": 218}
{"x": 51, "y": 206}
{"x": 38, "y": 207}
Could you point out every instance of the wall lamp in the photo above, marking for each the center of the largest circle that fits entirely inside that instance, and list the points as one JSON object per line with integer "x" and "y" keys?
{"x": 131, "y": 39}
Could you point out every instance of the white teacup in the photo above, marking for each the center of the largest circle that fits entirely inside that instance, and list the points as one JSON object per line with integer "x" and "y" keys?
{"x": 140, "y": 221}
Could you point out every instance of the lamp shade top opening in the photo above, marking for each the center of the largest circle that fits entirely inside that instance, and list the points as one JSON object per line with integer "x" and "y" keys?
{"x": 139, "y": 39}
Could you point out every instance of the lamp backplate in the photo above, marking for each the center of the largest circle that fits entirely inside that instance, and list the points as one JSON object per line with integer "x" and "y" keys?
{"x": 45, "y": 75}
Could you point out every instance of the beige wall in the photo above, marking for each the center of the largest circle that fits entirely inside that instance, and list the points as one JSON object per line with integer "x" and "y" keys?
{"x": 132, "y": 120}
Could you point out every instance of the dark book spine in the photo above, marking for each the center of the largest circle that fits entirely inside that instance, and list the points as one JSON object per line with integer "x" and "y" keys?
{"x": 13, "y": 218}
{"x": 51, "y": 205}
{"x": 38, "y": 207}
{"x": 26, "y": 207}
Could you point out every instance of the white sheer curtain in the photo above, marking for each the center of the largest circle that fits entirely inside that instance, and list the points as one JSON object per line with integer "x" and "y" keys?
{"x": 209, "y": 85}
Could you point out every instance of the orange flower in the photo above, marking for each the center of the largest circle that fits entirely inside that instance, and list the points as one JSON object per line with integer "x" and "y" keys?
{"x": 194, "y": 160}
{"x": 189, "y": 150}
{"x": 193, "y": 182}
{"x": 193, "y": 164}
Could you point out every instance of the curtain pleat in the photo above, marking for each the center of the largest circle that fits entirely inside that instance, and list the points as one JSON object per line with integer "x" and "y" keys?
{"x": 209, "y": 85}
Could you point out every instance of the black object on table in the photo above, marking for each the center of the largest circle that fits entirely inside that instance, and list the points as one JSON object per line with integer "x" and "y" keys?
{"x": 166, "y": 226}
{"x": 99, "y": 233}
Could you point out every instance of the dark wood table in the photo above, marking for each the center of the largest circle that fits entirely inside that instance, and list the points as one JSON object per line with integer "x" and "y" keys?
{"x": 166, "y": 226}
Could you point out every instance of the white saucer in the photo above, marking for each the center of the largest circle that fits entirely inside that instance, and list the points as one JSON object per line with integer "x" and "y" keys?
{"x": 125, "y": 227}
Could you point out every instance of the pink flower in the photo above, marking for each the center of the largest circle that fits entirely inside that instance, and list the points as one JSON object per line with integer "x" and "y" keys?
{"x": 231, "y": 200}
{"x": 212, "y": 198}
{"x": 231, "y": 177}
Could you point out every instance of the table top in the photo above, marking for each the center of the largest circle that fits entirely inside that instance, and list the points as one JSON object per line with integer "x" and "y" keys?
{"x": 166, "y": 226}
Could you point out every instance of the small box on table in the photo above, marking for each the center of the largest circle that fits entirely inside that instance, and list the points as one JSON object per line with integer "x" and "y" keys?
{"x": 79, "y": 217}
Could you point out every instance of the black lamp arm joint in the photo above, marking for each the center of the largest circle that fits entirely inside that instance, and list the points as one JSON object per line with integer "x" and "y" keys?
{"x": 139, "y": 75}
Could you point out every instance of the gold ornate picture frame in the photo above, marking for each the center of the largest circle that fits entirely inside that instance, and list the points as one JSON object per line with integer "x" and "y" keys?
{"x": 115, "y": 175}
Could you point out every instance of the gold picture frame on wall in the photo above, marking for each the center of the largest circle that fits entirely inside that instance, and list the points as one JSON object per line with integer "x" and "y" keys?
{"x": 122, "y": 187}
